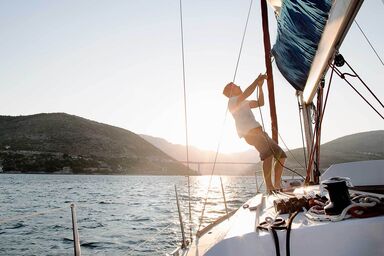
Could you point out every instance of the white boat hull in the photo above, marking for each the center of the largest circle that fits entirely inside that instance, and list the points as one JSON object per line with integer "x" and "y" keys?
{"x": 239, "y": 234}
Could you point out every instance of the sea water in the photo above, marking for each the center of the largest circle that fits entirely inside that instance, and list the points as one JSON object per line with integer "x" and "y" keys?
{"x": 116, "y": 215}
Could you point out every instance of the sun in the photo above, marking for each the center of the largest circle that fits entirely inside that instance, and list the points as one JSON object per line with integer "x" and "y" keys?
{"x": 211, "y": 127}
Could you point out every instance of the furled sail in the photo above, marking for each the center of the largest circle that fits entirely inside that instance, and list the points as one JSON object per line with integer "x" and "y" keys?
{"x": 300, "y": 26}
{"x": 309, "y": 33}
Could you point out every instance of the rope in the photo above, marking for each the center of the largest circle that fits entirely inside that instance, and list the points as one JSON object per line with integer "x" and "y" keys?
{"x": 242, "y": 40}
{"x": 366, "y": 86}
{"x": 185, "y": 115}
{"x": 313, "y": 215}
{"x": 366, "y": 38}
{"x": 311, "y": 155}
{"x": 289, "y": 151}
{"x": 272, "y": 224}
{"x": 261, "y": 184}
{"x": 318, "y": 128}
{"x": 288, "y": 237}
{"x": 148, "y": 240}
{"x": 326, "y": 97}
{"x": 225, "y": 118}
{"x": 314, "y": 144}
{"x": 25, "y": 216}
{"x": 340, "y": 74}
{"x": 302, "y": 132}
{"x": 213, "y": 170}
{"x": 274, "y": 154}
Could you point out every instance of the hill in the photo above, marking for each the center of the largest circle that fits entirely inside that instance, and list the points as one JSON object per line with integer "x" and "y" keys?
{"x": 62, "y": 143}
{"x": 205, "y": 157}
{"x": 355, "y": 147}
{"x": 59, "y": 142}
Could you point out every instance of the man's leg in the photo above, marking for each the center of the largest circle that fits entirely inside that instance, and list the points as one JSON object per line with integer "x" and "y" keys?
{"x": 278, "y": 172}
{"x": 267, "y": 169}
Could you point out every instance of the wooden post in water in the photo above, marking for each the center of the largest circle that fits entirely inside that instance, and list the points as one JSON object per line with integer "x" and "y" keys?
{"x": 76, "y": 239}
{"x": 268, "y": 65}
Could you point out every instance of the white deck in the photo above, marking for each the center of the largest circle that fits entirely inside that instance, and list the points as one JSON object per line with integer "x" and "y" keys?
{"x": 362, "y": 173}
{"x": 238, "y": 235}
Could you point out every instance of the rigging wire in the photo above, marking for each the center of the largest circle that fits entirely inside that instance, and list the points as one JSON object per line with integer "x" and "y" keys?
{"x": 242, "y": 41}
{"x": 319, "y": 107}
{"x": 225, "y": 118}
{"x": 185, "y": 115}
{"x": 150, "y": 239}
{"x": 31, "y": 215}
{"x": 315, "y": 147}
{"x": 366, "y": 86}
{"x": 277, "y": 159}
{"x": 370, "y": 44}
{"x": 341, "y": 75}
{"x": 290, "y": 151}
{"x": 302, "y": 132}
{"x": 326, "y": 97}
{"x": 262, "y": 121}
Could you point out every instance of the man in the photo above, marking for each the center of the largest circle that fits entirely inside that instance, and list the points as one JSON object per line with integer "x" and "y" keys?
{"x": 249, "y": 129}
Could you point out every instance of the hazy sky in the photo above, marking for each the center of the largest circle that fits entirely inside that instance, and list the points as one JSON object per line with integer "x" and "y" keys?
{"x": 119, "y": 62}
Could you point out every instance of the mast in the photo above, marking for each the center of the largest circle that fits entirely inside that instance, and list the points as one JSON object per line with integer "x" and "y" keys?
{"x": 268, "y": 64}
{"x": 308, "y": 129}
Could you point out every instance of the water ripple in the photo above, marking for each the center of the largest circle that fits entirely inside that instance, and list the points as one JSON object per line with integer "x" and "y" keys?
{"x": 116, "y": 214}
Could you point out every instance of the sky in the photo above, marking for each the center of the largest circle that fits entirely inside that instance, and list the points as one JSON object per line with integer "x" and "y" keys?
{"x": 119, "y": 62}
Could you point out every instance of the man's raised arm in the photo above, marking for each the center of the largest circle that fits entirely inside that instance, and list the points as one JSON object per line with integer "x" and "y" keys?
{"x": 250, "y": 89}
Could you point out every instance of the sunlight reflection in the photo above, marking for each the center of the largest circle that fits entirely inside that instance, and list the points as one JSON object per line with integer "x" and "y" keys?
{"x": 204, "y": 181}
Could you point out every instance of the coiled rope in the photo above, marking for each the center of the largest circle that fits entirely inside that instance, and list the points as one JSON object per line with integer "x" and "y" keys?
{"x": 363, "y": 201}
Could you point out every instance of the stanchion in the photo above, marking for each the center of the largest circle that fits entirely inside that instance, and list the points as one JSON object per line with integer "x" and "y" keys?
{"x": 76, "y": 239}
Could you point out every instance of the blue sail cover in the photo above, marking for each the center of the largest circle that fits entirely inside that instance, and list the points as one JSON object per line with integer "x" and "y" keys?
{"x": 299, "y": 29}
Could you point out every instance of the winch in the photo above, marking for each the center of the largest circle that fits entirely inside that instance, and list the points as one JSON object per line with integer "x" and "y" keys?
{"x": 290, "y": 205}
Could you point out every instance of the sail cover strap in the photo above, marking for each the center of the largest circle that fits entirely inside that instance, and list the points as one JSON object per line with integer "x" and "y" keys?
{"x": 300, "y": 25}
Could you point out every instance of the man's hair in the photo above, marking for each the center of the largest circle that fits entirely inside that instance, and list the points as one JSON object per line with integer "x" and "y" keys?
{"x": 228, "y": 89}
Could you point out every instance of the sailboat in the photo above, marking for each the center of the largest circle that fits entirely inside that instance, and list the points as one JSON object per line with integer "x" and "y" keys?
{"x": 341, "y": 211}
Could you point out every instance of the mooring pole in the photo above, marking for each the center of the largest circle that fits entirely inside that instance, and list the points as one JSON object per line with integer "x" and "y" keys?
{"x": 76, "y": 239}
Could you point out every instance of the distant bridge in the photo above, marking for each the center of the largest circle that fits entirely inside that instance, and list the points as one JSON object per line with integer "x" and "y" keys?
{"x": 199, "y": 163}
{"x": 208, "y": 162}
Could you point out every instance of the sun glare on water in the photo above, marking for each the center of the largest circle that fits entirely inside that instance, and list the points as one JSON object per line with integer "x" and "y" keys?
{"x": 213, "y": 182}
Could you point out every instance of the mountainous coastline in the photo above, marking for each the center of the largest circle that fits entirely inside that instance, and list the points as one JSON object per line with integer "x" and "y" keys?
{"x": 238, "y": 162}
{"x": 354, "y": 147}
{"x": 62, "y": 143}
